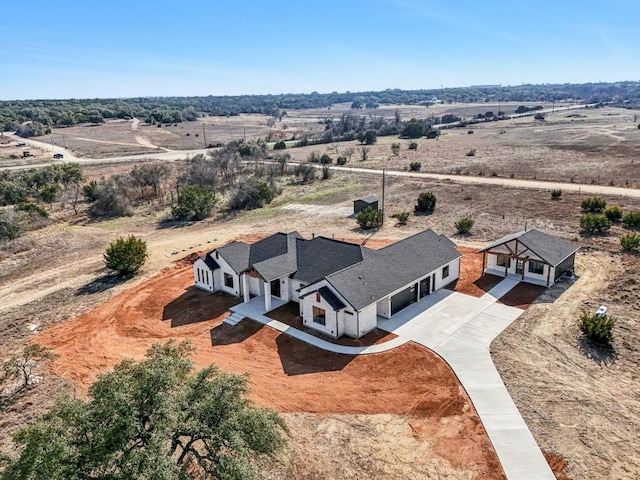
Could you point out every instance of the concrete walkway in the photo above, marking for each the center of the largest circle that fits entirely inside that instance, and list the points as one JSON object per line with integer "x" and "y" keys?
{"x": 460, "y": 329}
{"x": 256, "y": 313}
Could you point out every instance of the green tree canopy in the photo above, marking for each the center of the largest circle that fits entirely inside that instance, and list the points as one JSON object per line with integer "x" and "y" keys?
{"x": 194, "y": 202}
{"x": 126, "y": 255}
{"x": 156, "y": 419}
{"x": 414, "y": 128}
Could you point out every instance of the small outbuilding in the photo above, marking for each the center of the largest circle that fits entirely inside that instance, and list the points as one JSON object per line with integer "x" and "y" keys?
{"x": 531, "y": 256}
{"x": 365, "y": 202}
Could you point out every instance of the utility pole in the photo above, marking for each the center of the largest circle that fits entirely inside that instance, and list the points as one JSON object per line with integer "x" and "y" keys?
{"x": 384, "y": 174}
{"x": 204, "y": 134}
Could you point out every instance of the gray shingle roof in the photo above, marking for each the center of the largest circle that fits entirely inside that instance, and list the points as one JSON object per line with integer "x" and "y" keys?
{"x": 329, "y": 296}
{"x": 209, "y": 261}
{"x": 241, "y": 256}
{"x": 323, "y": 256}
{"x": 552, "y": 250}
{"x": 368, "y": 199}
{"x": 384, "y": 271}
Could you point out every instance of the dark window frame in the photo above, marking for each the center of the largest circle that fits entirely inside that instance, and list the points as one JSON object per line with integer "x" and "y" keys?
{"x": 445, "y": 272}
{"x": 533, "y": 264}
{"x": 319, "y": 315}
{"x": 227, "y": 277}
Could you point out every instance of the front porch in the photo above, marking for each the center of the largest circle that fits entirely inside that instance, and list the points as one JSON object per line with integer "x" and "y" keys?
{"x": 515, "y": 276}
{"x": 265, "y": 304}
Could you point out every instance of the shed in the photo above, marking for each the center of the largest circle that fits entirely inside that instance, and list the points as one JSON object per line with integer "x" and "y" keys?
{"x": 364, "y": 202}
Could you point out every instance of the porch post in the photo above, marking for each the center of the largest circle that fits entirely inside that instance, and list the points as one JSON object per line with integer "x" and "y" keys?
{"x": 245, "y": 288}
{"x": 548, "y": 274}
{"x": 484, "y": 262}
{"x": 267, "y": 296}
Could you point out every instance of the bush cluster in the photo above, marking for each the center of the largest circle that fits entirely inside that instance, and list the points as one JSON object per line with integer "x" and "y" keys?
{"x": 464, "y": 224}
{"x": 369, "y": 217}
{"x": 630, "y": 241}
{"x": 593, "y": 204}
{"x": 594, "y": 223}
{"x": 426, "y": 202}
{"x": 126, "y": 255}
{"x": 598, "y": 329}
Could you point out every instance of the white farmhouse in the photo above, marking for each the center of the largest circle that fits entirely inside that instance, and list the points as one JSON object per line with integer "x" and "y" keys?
{"x": 341, "y": 287}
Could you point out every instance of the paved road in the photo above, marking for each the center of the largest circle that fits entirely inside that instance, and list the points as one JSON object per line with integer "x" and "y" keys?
{"x": 460, "y": 329}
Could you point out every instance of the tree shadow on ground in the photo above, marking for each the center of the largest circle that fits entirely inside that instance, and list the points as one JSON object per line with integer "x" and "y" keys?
{"x": 169, "y": 222}
{"x": 196, "y": 305}
{"x": 603, "y": 355}
{"x": 300, "y": 358}
{"x": 102, "y": 284}
{"x": 224, "y": 334}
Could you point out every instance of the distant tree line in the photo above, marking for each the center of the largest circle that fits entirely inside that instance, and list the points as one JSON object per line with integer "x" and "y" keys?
{"x": 177, "y": 109}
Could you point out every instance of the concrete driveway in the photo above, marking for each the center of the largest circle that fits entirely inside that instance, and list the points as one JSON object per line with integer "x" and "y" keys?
{"x": 460, "y": 329}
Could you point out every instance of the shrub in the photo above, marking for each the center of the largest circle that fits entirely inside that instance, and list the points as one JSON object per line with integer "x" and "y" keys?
{"x": 556, "y": 194}
{"x": 471, "y": 153}
{"x": 464, "y": 224}
{"x": 614, "y": 213}
{"x": 281, "y": 145}
{"x": 630, "y": 241}
{"x": 341, "y": 160}
{"x": 326, "y": 159}
{"x": 32, "y": 208}
{"x": 395, "y": 148}
{"x": 304, "y": 172}
{"x": 413, "y": 146}
{"x": 415, "y": 166}
{"x": 326, "y": 172}
{"x": 631, "y": 219}
{"x": 594, "y": 223}
{"x": 593, "y": 204}
{"x": 194, "y": 202}
{"x": 597, "y": 329}
{"x": 433, "y": 133}
{"x": 11, "y": 225}
{"x": 426, "y": 202}
{"x": 253, "y": 193}
{"x": 402, "y": 217}
{"x": 369, "y": 218}
{"x": 126, "y": 255}
{"x": 90, "y": 191}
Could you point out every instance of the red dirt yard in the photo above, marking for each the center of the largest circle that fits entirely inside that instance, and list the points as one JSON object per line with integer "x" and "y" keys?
{"x": 285, "y": 374}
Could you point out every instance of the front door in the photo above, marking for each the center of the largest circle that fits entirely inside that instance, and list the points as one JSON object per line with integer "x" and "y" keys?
{"x": 275, "y": 287}
{"x": 519, "y": 266}
{"x": 424, "y": 287}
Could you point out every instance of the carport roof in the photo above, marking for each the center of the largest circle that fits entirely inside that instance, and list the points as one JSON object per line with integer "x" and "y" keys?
{"x": 552, "y": 250}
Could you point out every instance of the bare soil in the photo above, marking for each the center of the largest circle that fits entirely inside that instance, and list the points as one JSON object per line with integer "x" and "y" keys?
{"x": 580, "y": 401}
{"x": 285, "y": 374}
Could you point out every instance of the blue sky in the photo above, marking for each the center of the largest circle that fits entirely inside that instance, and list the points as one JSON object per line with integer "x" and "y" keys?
{"x": 114, "y": 48}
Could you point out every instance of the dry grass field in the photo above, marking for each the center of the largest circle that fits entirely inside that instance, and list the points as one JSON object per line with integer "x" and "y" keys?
{"x": 593, "y": 146}
{"x": 581, "y": 404}
{"x": 12, "y": 155}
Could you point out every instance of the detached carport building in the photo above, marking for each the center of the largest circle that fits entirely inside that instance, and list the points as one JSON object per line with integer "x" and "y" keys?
{"x": 341, "y": 288}
{"x": 531, "y": 256}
